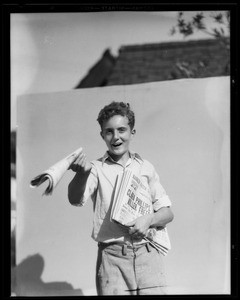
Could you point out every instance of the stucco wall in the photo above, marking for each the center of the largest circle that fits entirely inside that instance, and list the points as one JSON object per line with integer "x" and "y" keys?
{"x": 182, "y": 128}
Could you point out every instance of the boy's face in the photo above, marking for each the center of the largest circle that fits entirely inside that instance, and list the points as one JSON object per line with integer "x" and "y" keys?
{"x": 117, "y": 134}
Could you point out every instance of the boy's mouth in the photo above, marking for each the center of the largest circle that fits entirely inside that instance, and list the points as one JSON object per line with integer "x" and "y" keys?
{"x": 116, "y": 145}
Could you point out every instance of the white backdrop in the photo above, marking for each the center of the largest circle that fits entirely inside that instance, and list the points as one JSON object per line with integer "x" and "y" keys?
{"x": 183, "y": 128}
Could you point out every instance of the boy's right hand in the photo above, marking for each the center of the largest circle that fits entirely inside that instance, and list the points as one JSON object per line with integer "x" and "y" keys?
{"x": 81, "y": 164}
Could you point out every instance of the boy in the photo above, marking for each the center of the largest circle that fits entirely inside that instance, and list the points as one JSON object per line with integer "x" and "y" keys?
{"x": 126, "y": 263}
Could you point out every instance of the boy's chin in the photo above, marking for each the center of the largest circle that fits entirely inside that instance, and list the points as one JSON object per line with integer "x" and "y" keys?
{"x": 117, "y": 153}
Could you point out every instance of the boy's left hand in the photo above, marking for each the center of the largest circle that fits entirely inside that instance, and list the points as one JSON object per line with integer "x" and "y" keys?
{"x": 139, "y": 227}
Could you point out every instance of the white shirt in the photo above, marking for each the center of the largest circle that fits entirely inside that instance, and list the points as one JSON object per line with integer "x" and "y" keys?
{"x": 100, "y": 187}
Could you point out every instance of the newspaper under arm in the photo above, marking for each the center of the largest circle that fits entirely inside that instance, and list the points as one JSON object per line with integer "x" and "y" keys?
{"x": 132, "y": 200}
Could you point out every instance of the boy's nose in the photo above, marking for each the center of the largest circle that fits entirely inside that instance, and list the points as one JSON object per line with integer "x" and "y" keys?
{"x": 116, "y": 135}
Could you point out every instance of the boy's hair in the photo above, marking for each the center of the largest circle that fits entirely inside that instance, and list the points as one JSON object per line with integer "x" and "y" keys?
{"x": 116, "y": 108}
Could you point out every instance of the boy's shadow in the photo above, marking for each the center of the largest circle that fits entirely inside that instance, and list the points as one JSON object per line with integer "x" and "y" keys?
{"x": 27, "y": 280}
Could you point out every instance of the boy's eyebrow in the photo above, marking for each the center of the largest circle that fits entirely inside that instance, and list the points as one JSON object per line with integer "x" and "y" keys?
{"x": 120, "y": 127}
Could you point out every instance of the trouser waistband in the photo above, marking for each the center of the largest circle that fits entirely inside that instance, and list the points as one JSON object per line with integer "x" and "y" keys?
{"x": 124, "y": 247}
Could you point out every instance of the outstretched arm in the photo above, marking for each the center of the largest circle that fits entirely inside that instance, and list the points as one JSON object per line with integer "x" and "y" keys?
{"x": 77, "y": 186}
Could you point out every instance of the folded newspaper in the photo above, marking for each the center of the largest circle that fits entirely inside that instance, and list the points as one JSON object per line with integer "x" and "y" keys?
{"x": 133, "y": 199}
{"x": 55, "y": 173}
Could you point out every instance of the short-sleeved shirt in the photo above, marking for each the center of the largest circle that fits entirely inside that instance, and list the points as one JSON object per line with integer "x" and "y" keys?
{"x": 100, "y": 187}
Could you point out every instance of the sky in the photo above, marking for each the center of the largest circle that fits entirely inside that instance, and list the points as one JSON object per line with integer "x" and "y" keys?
{"x": 52, "y": 52}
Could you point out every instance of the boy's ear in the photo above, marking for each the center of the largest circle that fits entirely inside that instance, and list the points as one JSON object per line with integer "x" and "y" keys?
{"x": 133, "y": 131}
{"x": 101, "y": 133}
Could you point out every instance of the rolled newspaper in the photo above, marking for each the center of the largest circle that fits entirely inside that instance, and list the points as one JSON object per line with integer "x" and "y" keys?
{"x": 55, "y": 172}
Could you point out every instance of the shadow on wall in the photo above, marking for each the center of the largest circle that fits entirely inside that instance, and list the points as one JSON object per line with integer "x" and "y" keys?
{"x": 26, "y": 280}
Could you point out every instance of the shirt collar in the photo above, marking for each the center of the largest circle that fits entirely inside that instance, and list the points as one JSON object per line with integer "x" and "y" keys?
{"x": 133, "y": 155}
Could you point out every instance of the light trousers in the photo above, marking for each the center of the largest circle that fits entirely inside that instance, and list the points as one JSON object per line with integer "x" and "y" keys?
{"x": 129, "y": 270}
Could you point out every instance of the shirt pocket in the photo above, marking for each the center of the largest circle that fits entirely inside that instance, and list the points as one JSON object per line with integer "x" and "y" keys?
{"x": 145, "y": 182}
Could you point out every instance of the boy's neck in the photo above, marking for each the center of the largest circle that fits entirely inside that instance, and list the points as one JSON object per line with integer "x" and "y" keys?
{"x": 121, "y": 159}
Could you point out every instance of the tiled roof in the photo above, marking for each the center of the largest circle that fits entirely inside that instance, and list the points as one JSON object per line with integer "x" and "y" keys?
{"x": 166, "y": 61}
{"x": 161, "y": 61}
{"x": 99, "y": 73}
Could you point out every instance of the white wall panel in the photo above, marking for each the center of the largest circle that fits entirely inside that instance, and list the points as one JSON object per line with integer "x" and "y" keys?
{"x": 183, "y": 128}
